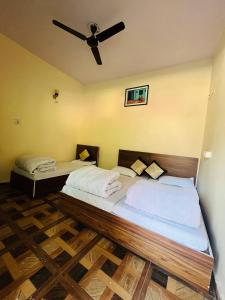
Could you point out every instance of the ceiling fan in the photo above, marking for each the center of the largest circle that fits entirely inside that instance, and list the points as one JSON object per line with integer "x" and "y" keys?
{"x": 95, "y": 37}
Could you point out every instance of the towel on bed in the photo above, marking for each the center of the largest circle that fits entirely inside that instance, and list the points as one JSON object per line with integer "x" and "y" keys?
{"x": 177, "y": 204}
{"x": 94, "y": 180}
{"x": 34, "y": 164}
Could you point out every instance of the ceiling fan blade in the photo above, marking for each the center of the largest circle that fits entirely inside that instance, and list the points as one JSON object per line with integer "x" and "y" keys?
{"x": 96, "y": 55}
{"x": 104, "y": 35}
{"x": 70, "y": 30}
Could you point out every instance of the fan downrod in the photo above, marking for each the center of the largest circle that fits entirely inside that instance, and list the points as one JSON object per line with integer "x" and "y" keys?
{"x": 94, "y": 28}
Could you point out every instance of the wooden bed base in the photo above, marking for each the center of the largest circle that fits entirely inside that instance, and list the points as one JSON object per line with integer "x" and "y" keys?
{"x": 38, "y": 188}
{"x": 191, "y": 266}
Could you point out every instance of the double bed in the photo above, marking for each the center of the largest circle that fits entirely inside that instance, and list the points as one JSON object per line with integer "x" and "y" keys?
{"x": 42, "y": 183}
{"x": 195, "y": 238}
{"x": 180, "y": 250}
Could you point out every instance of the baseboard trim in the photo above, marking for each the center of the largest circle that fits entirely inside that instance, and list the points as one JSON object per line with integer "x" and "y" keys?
{"x": 219, "y": 296}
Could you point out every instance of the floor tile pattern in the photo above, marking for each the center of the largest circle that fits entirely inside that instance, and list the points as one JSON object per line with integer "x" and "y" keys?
{"x": 46, "y": 254}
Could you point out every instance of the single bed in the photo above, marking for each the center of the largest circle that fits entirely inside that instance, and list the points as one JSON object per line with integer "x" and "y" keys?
{"x": 42, "y": 183}
{"x": 180, "y": 251}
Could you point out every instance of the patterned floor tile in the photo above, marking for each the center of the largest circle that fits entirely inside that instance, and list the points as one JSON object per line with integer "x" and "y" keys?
{"x": 45, "y": 254}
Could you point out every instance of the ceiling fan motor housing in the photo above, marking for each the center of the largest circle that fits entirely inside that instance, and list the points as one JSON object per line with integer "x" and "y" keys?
{"x": 92, "y": 41}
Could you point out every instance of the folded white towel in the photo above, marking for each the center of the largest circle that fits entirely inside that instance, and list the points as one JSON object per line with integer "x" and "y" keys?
{"x": 94, "y": 180}
{"x": 113, "y": 185}
{"x": 33, "y": 164}
{"x": 111, "y": 190}
{"x": 44, "y": 169}
{"x": 176, "y": 204}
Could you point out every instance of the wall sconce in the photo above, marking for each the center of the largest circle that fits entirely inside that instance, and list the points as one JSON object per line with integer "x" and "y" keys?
{"x": 55, "y": 95}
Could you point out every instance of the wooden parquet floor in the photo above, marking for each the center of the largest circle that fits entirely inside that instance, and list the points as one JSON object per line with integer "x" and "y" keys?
{"x": 45, "y": 254}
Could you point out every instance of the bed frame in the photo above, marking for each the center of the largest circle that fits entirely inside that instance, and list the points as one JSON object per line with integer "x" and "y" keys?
{"x": 37, "y": 188}
{"x": 193, "y": 267}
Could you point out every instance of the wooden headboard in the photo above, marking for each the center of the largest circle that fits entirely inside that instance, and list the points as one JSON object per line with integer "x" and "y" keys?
{"x": 93, "y": 151}
{"x": 180, "y": 166}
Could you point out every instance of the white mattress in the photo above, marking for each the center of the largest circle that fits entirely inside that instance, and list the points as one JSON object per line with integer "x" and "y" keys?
{"x": 62, "y": 168}
{"x": 106, "y": 204}
{"x": 195, "y": 238}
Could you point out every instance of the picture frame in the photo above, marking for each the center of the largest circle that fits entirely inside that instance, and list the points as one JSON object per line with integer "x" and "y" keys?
{"x": 136, "y": 96}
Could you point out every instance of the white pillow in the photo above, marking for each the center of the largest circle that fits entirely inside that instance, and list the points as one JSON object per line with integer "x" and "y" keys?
{"x": 124, "y": 171}
{"x": 83, "y": 162}
{"x": 178, "y": 181}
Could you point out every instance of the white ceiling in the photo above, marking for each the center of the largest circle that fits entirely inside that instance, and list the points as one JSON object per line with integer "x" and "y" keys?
{"x": 159, "y": 33}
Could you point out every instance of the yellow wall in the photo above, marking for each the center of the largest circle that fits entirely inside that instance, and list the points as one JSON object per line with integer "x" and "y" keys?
{"x": 26, "y": 85}
{"x": 172, "y": 122}
{"x": 212, "y": 171}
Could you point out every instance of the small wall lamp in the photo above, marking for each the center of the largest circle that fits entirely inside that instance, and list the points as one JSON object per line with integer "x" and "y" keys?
{"x": 55, "y": 95}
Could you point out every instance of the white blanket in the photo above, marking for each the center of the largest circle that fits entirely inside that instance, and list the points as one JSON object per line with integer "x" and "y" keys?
{"x": 177, "y": 204}
{"x": 94, "y": 180}
{"x": 33, "y": 164}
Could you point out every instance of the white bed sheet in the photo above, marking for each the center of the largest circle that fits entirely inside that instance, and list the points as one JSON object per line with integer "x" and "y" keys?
{"x": 106, "y": 204}
{"x": 62, "y": 168}
{"x": 195, "y": 238}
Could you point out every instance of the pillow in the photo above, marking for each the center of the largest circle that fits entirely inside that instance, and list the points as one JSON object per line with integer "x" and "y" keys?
{"x": 154, "y": 170}
{"x": 138, "y": 166}
{"x": 84, "y": 154}
{"x": 177, "y": 181}
{"x": 83, "y": 163}
{"x": 124, "y": 171}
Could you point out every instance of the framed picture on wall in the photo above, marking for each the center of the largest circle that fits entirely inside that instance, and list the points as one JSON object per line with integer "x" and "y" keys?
{"x": 136, "y": 96}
